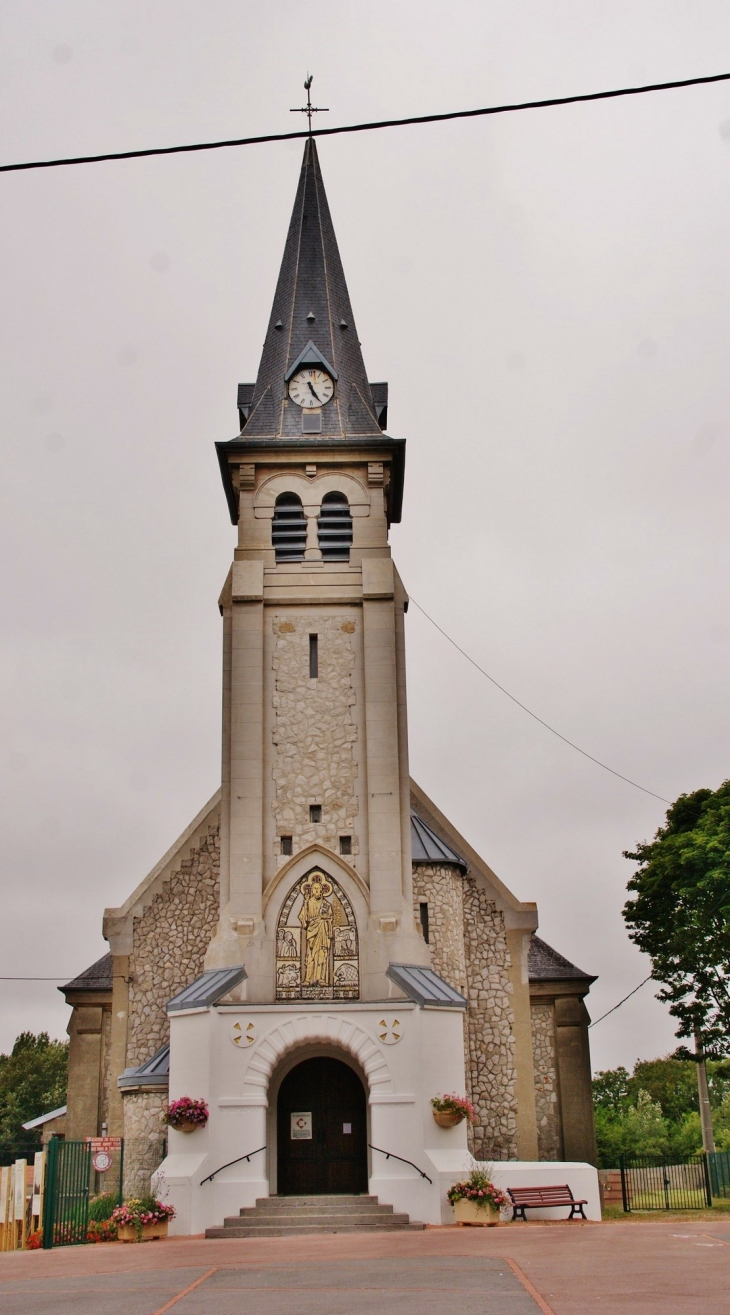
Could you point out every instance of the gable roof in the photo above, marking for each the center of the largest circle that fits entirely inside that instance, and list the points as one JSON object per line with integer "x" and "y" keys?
{"x": 96, "y": 978}
{"x": 544, "y": 964}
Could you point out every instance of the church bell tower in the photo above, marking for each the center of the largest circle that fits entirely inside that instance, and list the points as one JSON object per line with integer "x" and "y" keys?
{"x": 316, "y": 878}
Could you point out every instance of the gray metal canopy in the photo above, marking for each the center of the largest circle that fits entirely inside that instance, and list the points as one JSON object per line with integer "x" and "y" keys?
{"x": 207, "y": 989}
{"x": 155, "y": 1072}
{"x": 425, "y": 986}
{"x": 428, "y": 847}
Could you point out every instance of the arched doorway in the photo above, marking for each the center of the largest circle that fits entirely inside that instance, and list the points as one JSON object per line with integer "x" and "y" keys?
{"x": 321, "y": 1130}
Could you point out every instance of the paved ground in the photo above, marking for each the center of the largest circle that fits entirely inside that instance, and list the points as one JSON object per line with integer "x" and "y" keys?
{"x": 668, "y": 1267}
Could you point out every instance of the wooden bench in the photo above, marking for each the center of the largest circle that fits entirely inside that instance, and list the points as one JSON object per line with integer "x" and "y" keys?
{"x": 533, "y": 1198}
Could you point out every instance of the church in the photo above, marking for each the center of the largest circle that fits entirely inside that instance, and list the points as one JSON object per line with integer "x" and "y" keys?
{"x": 320, "y": 953}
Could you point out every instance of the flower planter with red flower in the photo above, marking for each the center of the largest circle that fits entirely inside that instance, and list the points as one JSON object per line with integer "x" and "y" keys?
{"x": 142, "y": 1220}
{"x": 149, "y": 1233}
{"x": 449, "y": 1111}
{"x": 477, "y": 1201}
{"x": 186, "y": 1114}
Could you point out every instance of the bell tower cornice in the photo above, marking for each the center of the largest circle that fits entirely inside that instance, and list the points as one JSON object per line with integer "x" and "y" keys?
{"x": 383, "y": 457}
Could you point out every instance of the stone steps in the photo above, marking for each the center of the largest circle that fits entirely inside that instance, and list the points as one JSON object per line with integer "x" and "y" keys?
{"x": 282, "y": 1216}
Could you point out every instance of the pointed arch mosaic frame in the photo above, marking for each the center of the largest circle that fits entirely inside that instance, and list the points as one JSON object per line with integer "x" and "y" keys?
{"x": 317, "y": 949}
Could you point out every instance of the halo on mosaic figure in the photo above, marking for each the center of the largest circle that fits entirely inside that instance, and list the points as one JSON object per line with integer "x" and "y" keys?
{"x": 313, "y": 879}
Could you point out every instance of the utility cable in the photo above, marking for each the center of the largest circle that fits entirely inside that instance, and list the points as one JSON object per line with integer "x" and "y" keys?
{"x": 534, "y": 715}
{"x": 596, "y": 1021}
{"x": 370, "y": 127}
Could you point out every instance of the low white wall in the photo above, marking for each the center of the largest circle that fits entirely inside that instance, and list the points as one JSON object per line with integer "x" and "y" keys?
{"x": 582, "y": 1179}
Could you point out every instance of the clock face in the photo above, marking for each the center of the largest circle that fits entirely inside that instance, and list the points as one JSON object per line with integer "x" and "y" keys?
{"x": 310, "y": 388}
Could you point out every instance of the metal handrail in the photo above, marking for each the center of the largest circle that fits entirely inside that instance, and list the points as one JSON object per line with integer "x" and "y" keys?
{"x": 391, "y": 1155}
{"x": 230, "y": 1162}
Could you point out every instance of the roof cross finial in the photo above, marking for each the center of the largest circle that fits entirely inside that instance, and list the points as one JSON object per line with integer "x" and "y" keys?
{"x": 309, "y": 109}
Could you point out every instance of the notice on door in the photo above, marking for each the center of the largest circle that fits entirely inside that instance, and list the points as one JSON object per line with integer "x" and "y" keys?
{"x": 301, "y": 1127}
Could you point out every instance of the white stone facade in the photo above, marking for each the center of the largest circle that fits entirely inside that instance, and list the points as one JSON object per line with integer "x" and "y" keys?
{"x": 240, "y": 1088}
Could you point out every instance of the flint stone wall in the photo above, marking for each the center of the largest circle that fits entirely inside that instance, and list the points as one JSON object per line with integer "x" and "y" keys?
{"x": 441, "y": 888}
{"x": 469, "y": 950}
{"x": 145, "y": 1136}
{"x": 315, "y": 732}
{"x": 547, "y": 1104}
{"x": 170, "y": 941}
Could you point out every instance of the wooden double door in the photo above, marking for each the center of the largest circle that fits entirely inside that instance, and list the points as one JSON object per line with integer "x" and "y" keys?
{"x": 321, "y": 1130}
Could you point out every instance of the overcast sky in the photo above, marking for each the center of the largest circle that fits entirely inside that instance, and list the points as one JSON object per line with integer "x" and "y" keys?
{"x": 547, "y": 295}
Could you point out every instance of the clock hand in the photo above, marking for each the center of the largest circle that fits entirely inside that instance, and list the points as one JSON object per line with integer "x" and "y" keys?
{"x": 313, "y": 392}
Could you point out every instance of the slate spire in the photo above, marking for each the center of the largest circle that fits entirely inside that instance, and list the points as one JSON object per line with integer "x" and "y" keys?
{"x": 311, "y": 318}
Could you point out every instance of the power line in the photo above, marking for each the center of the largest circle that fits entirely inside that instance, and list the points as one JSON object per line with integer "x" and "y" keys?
{"x": 620, "y": 1003}
{"x": 369, "y": 127}
{"x": 534, "y": 715}
{"x": 36, "y": 979}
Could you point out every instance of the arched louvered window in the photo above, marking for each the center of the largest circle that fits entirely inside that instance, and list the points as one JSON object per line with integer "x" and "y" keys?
{"x": 289, "y": 528}
{"x": 334, "y": 528}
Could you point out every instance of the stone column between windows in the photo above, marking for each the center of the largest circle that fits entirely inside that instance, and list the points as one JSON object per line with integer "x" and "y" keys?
{"x": 312, "y": 551}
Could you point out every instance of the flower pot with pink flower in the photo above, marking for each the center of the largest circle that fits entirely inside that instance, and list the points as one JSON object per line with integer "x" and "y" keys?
{"x": 186, "y": 1114}
{"x": 448, "y": 1111}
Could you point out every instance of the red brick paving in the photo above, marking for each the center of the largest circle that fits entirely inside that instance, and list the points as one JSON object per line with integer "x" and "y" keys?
{"x": 662, "y": 1267}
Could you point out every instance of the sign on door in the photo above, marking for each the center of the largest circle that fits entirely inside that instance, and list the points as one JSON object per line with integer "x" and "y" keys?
{"x": 301, "y": 1126}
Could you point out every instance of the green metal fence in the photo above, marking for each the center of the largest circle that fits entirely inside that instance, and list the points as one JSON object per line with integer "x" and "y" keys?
{"x": 651, "y": 1182}
{"x": 719, "y": 1167}
{"x": 71, "y": 1181}
{"x": 66, "y": 1197}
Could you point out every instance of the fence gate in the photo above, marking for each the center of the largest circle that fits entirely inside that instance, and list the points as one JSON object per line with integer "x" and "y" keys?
{"x": 76, "y": 1170}
{"x": 650, "y": 1182}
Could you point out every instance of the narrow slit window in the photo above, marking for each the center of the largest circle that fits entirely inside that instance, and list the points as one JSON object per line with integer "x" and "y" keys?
{"x": 286, "y": 844}
{"x": 315, "y": 812}
{"x": 345, "y": 844}
{"x": 313, "y": 657}
{"x": 334, "y": 528}
{"x": 423, "y": 915}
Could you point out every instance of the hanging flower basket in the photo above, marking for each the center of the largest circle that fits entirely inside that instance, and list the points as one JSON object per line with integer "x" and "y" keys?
{"x": 187, "y": 1115}
{"x": 448, "y": 1111}
{"x": 448, "y": 1118}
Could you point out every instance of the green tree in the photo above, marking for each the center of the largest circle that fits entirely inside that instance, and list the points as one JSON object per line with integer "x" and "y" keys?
{"x": 612, "y": 1092}
{"x": 671, "y": 1082}
{"x": 638, "y": 1129}
{"x": 671, "y": 1085}
{"x": 680, "y": 915}
{"x": 32, "y": 1082}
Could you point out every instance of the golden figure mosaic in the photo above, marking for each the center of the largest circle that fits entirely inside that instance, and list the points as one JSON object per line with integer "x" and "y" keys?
{"x": 316, "y": 942}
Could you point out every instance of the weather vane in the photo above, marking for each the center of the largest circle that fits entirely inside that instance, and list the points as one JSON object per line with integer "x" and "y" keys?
{"x": 309, "y": 109}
